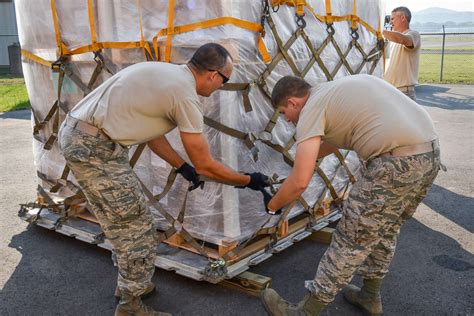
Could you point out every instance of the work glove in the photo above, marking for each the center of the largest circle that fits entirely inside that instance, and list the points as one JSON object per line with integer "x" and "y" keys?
{"x": 190, "y": 174}
{"x": 266, "y": 199}
{"x": 257, "y": 181}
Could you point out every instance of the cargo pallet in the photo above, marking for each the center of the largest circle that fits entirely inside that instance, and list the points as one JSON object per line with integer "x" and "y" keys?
{"x": 177, "y": 257}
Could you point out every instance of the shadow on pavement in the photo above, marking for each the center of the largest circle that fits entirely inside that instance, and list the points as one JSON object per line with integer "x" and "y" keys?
{"x": 63, "y": 276}
{"x": 438, "y": 96}
{"x": 19, "y": 115}
{"x": 426, "y": 263}
{"x": 455, "y": 207}
{"x": 59, "y": 275}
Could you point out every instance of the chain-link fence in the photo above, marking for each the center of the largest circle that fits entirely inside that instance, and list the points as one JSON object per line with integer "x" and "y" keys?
{"x": 447, "y": 57}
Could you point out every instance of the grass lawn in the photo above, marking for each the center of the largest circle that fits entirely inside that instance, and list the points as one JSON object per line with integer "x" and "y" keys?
{"x": 458, "y": 69}
{"x": 13, "y": 95}
{"x": 448, "y": 48}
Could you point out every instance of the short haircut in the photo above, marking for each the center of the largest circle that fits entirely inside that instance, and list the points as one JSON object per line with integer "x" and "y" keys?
{"x": 287, "y": 87}
{"x": 405, "y": 12}
{"x": 210, "y": 56}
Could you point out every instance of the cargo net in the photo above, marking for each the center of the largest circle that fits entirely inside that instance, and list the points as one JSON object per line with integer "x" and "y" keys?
{"x": 277, "y": 54}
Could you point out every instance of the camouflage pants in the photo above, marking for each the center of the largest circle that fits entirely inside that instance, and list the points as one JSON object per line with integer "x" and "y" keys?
{"x": 102, "y": 169}
{"x": 386, "y": 195}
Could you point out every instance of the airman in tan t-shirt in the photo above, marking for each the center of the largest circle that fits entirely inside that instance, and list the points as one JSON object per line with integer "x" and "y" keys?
{"x": 140, "y": 104}
{"x": 365, "y": 114}
{"x": 397, "y": 139}
{"x": 402, "y": 71}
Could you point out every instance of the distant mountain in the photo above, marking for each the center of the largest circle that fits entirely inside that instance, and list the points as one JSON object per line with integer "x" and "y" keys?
{"x": 440, "y": 15}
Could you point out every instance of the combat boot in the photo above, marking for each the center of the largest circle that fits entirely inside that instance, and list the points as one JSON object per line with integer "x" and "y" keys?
{"x": 367, "y": 298}
{"x": 135, "y": 307}
{"x": 277, "y": 306}
{"x": 150, "y": 289}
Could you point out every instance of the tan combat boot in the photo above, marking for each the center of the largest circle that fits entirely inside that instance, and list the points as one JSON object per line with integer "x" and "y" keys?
{"x": 277, "y": 306}
{"x": 134, "y": 306}
{"x": 368, "y": 298}
{"x": 150, "y": 289}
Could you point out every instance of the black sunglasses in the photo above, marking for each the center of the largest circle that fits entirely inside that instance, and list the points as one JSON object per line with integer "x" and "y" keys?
{"x": 224, "y": 78}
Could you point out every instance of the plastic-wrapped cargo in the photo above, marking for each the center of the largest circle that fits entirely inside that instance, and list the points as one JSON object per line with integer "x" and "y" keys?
{"x": 70, "y": 47}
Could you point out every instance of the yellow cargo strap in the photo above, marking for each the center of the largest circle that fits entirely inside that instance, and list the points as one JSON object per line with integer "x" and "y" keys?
{"x": 61, "y": 47}
{"x": 143, "y": 43}
{"x": 36, "y": 58}
{"x": 299, "y": 4}
{"x": 251, "y": 26}
{"x": 90, "y": 11}
{"x": 170, "y": 26}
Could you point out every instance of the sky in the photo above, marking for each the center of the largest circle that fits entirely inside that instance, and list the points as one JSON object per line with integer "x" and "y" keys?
{"x": 418, "y": 5}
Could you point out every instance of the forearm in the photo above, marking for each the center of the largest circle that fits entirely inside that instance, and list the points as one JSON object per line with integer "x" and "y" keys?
{"x": 161, "y": 147}
{"x": 215, "y": 170}
{"x": 297, "y": 182}
{"x": 289, "y": 191}
{"x": 398, "y": 37}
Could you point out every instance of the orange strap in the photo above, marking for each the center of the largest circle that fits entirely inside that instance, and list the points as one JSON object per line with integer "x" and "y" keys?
{"x": 354, "y": 16}
{"x": 170, "y": 26}
{"x": 143, "y": 43}
{"x": 262, "y": 48}
{"x": 35, "y": 58}
{"x": 300, "y": 4}
{"x": 90, "y": 10}
{"x": 329, "y": 18}
{"x": 256, "y": 27}
{"x": 62, "y": 48}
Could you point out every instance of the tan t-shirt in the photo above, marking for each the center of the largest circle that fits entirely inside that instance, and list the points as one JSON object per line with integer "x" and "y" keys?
{"x": 142, "y": 102}
{"x": 402, "y": 70}
{"x": 365, "y": 114}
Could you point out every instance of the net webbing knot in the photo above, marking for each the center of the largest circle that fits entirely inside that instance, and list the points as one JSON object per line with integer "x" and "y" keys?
{"x": 354, "y": 33}
{"x": 330, "y": 29}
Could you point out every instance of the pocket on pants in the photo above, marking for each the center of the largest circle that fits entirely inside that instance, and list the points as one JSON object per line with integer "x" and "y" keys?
{"x": 120, "y": 203}
{"x": 77, "y": 153}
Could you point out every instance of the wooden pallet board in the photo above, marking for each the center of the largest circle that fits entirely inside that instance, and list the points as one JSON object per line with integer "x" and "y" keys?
{"x": 217, "y": 251}
{"x": 181, "y": 261}
{"x": 248, "y": 282}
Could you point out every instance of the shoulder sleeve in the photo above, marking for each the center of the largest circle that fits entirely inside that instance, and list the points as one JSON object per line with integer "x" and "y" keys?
{"x": 415, "y": 37}
{"x": 189, "y": 116}
{"x": 311, "y": 123}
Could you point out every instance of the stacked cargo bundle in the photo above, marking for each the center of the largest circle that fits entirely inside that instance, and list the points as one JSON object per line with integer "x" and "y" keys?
{"x": 69, "y": 48}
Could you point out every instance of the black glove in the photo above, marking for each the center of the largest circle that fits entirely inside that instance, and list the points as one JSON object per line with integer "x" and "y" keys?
{"x": 266, "y": 199}
{"x": 189, "y": 173}
{"x": 257, "y": 181}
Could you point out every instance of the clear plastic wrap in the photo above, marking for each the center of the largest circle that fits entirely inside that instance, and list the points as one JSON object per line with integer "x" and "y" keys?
{"x": 218, "y": 213}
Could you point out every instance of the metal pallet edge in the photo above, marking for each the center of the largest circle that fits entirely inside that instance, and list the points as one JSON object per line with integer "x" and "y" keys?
{"x": 180, "y": 261}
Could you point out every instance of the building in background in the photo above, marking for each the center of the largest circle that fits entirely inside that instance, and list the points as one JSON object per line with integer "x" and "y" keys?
{"x": 8, "y": 37}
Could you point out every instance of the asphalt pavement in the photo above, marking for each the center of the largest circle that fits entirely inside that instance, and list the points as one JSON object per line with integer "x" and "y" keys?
{"x": 45, "y": 273}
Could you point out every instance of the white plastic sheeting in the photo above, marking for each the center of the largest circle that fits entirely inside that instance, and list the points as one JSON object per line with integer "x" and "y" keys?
{"x": 218, "y": 213}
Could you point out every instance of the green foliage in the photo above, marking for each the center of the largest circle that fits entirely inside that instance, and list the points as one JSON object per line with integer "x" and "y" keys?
{"x": 13, "y": 95}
